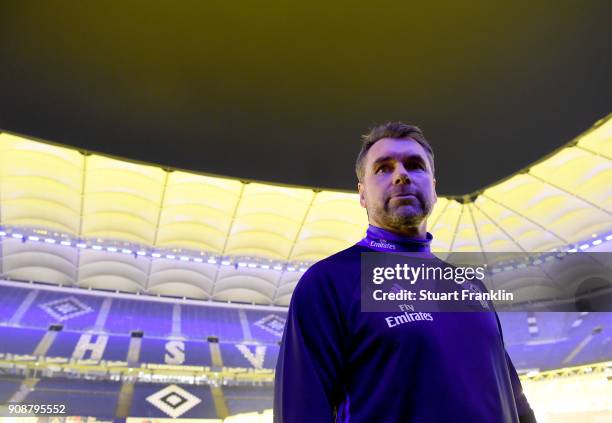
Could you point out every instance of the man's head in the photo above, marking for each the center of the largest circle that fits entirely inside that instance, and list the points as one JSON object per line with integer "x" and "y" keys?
{"x": 395, "y": 169}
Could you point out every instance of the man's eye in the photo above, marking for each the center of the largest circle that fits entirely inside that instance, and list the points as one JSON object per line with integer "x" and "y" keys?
{"x": 382, "y": 169}
{"x": 416, "y": 165}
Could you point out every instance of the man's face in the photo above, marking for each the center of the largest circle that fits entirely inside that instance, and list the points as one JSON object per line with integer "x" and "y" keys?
{"x": 398, "y": 187}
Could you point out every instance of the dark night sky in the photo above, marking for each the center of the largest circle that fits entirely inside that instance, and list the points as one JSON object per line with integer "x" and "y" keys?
{"x": 281, "y": 91}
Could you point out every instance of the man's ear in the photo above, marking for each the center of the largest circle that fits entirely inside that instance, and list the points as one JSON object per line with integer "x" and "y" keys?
{"x": 361, "y": 190}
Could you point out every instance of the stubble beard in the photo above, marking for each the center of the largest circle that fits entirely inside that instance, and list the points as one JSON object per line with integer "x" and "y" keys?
{"x": 401, "y": 221}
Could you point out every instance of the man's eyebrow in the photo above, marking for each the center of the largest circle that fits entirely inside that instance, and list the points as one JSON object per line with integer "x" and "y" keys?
{"x": 411, "y": 157}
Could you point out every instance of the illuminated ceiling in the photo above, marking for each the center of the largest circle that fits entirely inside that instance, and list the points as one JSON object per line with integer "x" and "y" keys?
{"x": 64, "y": 193}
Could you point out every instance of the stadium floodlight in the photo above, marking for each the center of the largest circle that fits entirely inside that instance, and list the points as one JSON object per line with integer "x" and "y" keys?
{"x": 199, "y": 256}
{"x": 609, "y": 237}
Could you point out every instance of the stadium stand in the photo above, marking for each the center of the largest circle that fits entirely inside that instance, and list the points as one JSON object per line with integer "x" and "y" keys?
{"x": 8, "y": 387}
{"x": 266, "y": 326}
{"x": 153, "y": 319}
{"x": 81, "y": 397}
{"x": 12, "y": 298}
{"x": 76, "y": 312}
{"x": 16, "y": 340}
{"x": 178, "y": 352}
{"x": 160, "y": 400}
{"x": 201, "y": 322}
{"x": 244, "y": 399}
{"x": 560, "y": 338}
{"x": 81, "y": 312}
{"x": 245, "y": 355}
{"x": 598, "y": 347}
{"x": 543, "y": 356}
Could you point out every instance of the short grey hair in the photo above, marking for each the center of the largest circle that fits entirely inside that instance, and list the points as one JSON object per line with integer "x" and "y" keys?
{"x": 395, "y": 130}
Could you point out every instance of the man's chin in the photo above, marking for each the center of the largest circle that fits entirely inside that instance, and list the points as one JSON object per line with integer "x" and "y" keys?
{"x": 407, "y": 217}
{"x": 408, "y": 211}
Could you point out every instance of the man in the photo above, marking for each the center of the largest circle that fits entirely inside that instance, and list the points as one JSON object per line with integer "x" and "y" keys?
{"x": 338, "y": 364}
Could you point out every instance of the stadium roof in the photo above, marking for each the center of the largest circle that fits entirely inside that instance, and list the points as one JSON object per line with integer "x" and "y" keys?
{"x": 186, "y": 225}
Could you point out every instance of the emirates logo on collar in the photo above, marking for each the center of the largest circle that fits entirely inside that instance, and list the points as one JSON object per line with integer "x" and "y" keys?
{"x": 382, "y": 244}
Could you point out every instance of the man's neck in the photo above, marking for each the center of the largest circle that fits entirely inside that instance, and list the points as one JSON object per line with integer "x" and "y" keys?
{"x": 408, "y": 231}
{"x": 383, "y": 240}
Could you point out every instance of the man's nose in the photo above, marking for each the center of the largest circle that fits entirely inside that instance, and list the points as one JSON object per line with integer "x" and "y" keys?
{"x": 401, "y": 176}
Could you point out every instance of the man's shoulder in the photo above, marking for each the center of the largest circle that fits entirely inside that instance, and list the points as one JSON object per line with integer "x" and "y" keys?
{"x": 337, "y": 268}
{"x": 348, "y": 257}
{"x": 332, "y": 278}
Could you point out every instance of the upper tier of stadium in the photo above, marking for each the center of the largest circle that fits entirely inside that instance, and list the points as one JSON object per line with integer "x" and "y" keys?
{"x": 67, "y": 216}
